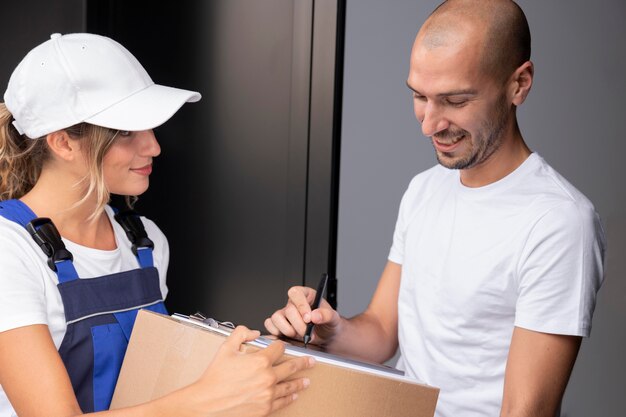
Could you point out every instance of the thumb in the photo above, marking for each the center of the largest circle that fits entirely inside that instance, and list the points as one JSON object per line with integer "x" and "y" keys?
{"x": 324, "y": 315}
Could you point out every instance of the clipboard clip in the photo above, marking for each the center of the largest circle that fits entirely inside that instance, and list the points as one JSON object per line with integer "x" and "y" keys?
{"x": 209, "y": 321}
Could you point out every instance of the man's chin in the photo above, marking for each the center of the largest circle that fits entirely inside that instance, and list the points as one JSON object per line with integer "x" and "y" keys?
{"x": 451, "y": 162}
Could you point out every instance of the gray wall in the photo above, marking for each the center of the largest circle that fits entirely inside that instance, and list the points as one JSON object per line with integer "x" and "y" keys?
{"x": 572, "y": 118}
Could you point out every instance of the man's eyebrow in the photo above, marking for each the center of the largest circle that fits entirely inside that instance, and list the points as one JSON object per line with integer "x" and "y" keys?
{"x": 464, "y": 92}
{"x": 467, "y": 92}
{"x": 411, "y": 88}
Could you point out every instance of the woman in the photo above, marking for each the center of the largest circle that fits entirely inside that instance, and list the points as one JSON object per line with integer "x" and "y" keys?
{"x": 76, "y": 126}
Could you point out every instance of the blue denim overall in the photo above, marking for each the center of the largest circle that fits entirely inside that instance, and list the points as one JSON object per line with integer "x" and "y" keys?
{"x": 100, "y": 312}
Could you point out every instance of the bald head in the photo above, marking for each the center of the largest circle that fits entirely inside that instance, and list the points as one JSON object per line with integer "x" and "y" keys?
{"x": 498, "y": 28}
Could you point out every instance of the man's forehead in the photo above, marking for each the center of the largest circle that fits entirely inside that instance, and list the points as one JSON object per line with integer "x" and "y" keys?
{"x": 444, "y": 69}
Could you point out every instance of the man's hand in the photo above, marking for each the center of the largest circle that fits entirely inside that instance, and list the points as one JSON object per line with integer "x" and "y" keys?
{"x": 292, "y": 320}
{"x": 371, "y": 335}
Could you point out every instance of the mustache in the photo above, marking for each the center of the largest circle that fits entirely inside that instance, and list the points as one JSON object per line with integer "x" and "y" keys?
{"x": 450, "y": 134}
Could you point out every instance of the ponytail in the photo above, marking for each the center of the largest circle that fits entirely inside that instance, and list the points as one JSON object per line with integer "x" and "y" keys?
{"x": 21, "y": 158}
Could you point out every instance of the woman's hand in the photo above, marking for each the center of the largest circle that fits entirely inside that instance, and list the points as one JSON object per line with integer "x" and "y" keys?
{"x": 248, "y": 384}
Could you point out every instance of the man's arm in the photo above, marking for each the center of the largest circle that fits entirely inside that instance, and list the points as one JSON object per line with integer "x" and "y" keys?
{"x": 538, "y": 368}
{"x": 371, "y": 335}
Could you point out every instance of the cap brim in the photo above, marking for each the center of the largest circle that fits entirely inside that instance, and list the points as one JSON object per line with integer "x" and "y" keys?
{"x": 146, "y": 109}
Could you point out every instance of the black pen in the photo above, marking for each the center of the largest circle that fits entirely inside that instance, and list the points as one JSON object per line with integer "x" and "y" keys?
{"x": 321, "y": 287}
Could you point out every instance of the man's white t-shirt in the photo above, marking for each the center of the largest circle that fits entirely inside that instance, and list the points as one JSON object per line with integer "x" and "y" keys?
{"x": 28, "y": 287}
{"x": 524, "y": 251}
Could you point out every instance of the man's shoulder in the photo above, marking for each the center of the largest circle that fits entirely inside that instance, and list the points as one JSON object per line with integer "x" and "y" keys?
{"x": 553, "y": 205}
{"x": 550, "y": 187}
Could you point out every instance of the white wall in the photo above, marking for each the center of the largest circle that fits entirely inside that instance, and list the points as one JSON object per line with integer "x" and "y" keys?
{"x": 573, "y": 118}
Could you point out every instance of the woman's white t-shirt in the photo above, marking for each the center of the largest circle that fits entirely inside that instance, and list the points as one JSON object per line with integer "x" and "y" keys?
{"x": 28, "y": 287}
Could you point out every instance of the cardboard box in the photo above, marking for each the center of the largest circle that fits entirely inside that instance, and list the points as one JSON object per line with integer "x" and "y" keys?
{"x": 166, "y": 354}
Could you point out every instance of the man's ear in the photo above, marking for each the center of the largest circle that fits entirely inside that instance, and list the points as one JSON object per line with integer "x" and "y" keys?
{"x": 521, "y": 82}
{"x": 61, "y": 145}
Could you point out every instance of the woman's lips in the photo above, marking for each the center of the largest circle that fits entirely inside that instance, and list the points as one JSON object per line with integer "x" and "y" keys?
{"x": 145, "y": 170}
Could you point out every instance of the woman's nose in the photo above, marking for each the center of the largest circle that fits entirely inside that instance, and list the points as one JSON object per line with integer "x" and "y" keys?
{"x": 149, "y": 146}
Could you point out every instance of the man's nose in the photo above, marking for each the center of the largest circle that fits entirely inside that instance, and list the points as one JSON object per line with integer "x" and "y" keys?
{"x": 433, "y": 120}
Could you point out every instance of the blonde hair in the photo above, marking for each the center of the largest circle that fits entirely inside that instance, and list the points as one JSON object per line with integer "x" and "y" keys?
{"x": 22, "y": 159}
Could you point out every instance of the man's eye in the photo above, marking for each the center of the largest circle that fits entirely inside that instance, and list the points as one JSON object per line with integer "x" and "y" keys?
{"x": 456, "y": 103}
{"x": 418, "y": 97}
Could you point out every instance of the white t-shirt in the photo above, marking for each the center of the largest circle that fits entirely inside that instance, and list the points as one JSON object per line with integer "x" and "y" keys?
{"x": 28, "y": 287}
{"x": 525, "y": 251}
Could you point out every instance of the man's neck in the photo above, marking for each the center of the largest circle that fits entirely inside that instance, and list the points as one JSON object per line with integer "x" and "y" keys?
{"x": 506, "y": 159}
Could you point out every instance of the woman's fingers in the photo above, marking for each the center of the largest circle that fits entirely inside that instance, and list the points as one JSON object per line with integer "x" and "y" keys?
{"x": 286, "y": 369}
{"x": 240, "y": 335}
{"x": 286, "y": 392}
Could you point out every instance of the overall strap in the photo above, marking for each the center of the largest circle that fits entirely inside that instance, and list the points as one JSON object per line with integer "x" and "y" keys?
{"x": 136, "y": 233}
{"x": 45, "y": 234}
{"x": 16, "y": 211}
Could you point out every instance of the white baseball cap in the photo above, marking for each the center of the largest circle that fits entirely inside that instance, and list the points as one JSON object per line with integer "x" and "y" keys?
{"x": 83, "y": 77}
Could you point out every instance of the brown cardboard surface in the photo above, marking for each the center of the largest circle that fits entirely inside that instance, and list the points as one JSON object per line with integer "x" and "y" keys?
{"x": 165, "y": 354}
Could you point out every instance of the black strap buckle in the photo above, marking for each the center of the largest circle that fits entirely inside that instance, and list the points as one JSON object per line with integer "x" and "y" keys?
{"x": 136, "y": 233}
{"x": 46, "y": 235}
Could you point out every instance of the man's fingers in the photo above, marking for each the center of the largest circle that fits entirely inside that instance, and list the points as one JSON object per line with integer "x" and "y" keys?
{"x": 292, "y": 320}
{"x": 271, "y": 327}
{"x": 301, "y": 297}
{"x": 296, "y": 320}
{"x": 281, "y": 323}
{"x": 293, "y": 365}
{"x": 323, "y": 315}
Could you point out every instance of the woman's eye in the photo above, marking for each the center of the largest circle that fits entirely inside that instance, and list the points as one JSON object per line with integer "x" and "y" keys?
{"x": 124, "y": 133}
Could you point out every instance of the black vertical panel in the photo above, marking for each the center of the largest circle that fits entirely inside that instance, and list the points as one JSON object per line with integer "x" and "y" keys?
{"x": 325, "y": 128}
{"x": 230, "y": 188}
{"x": 299, "y": 138}
{"x": 27, "y": 23}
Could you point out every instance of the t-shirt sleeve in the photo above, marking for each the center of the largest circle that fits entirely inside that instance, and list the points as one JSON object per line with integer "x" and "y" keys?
{"x": 396, "y": 253}
{"x": 22, "y": 292}
{"x": 560, "y": 271}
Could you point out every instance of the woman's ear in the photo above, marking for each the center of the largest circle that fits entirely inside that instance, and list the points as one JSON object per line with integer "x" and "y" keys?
{"x": 61, "y": 145}
{"x": 522, "y": 81}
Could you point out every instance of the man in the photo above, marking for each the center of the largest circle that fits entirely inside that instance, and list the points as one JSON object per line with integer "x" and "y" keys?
{"x": 496, "y": 259}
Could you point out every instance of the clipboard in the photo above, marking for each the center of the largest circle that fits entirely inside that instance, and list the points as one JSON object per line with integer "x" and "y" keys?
{"x": 166, "y": 353}
{"x": 225, "y": 328}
